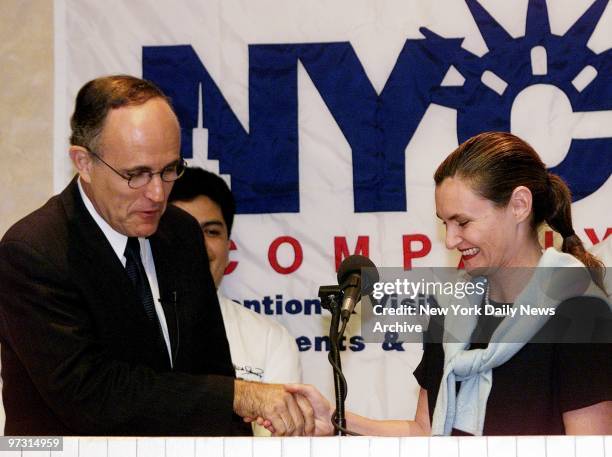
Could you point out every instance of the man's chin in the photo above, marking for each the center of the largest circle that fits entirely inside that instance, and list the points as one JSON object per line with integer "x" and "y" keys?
{"x": 144, "y": 230}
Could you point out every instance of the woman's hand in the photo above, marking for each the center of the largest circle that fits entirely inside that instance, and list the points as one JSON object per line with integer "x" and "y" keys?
{"x": 320, "y": 406}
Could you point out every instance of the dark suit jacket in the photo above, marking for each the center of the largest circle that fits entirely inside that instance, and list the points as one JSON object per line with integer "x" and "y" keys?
{"x": 79, "y": 355}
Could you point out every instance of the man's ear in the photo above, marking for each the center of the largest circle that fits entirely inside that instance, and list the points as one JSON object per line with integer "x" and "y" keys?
{"x": 82, "y": 161}
{"x": 521, "y": 202}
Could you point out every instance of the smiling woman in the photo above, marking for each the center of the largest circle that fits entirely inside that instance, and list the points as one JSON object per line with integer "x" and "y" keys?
{"x": 492, "y": 193}
{"x": 494, "y": 183}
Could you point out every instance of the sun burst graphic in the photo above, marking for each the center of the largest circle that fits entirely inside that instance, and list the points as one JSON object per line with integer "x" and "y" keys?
{"x": 540, "y": 82}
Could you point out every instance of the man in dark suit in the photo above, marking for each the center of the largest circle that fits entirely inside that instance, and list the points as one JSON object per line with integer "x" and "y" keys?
{"x": 109, "y": 321}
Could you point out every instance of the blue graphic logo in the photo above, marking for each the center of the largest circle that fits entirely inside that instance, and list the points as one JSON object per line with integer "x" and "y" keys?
{"x": 562, "y": 68}
{"x": 496, "y": 88}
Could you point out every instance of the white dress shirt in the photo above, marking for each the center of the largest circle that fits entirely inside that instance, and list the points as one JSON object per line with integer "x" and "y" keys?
{"x": 118, "y": 242}
{"x": 261, "y": 348}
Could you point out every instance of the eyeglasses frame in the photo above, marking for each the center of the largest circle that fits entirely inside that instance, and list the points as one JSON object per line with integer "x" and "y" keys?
{"x": 128, "y": 178}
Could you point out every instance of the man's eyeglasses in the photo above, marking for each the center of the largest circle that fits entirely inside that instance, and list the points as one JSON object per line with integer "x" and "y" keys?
{"x": 142, "y": 178}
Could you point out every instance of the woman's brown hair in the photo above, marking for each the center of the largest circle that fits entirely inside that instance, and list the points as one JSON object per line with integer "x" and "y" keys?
{"x": 496, "y": 163}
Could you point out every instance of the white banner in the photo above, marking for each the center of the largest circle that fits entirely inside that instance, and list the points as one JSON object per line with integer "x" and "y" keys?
{"x": 329, "y": 119}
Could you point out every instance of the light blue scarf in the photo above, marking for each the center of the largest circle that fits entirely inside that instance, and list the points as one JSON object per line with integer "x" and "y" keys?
{"x": 473, "y": 368}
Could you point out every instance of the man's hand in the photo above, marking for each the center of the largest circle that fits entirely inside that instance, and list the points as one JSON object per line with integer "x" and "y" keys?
{"x": 286, "y": 416}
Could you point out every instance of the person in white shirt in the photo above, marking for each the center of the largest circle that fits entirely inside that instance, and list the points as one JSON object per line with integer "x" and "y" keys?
{"x": 261, "y": 348}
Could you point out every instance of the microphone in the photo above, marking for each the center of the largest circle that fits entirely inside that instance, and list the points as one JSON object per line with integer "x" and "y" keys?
{"x": 351, "y": 281}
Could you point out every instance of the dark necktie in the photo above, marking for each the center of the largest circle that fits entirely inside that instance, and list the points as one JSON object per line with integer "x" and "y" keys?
{"x": 136, "y": 272}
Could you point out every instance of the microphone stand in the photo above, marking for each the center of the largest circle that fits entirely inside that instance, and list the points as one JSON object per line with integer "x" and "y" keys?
{"x": 329, "y": 300}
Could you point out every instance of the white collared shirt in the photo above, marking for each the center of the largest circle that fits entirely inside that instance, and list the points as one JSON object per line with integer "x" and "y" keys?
{"x": 118, "y": 242}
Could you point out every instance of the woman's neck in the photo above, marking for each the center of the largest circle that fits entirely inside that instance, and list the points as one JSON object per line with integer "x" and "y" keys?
{"x": 508, "y": 282}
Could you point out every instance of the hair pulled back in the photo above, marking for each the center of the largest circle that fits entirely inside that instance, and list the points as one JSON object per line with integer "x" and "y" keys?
{"x": 496, "y": 163}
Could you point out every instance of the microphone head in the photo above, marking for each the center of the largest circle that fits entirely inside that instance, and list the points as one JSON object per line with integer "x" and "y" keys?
{"x": 353, "y": 265}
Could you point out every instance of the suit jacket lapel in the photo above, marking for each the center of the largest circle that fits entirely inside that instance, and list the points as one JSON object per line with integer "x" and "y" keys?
{"x": 95, "y": 258}
{"x": 93, "y": 247}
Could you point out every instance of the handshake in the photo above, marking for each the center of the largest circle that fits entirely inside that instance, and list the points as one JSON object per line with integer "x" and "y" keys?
{"x": 285, "y": 410}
